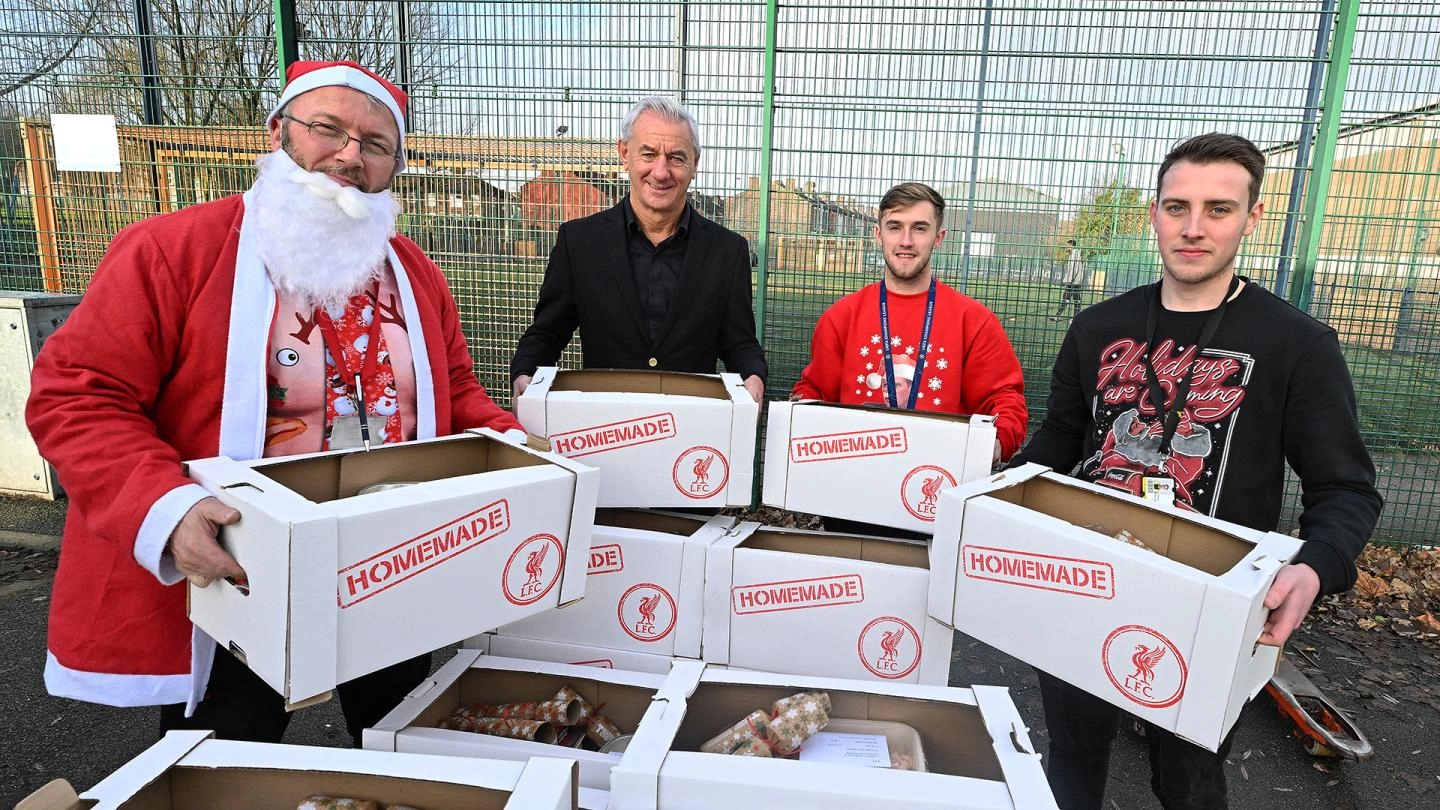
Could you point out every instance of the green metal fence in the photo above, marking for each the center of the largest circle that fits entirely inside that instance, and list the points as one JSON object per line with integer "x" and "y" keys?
{"x": 1039, "y": 121}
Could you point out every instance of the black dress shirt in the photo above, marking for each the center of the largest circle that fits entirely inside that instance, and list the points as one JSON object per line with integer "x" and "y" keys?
{"x": 655, "y": 268}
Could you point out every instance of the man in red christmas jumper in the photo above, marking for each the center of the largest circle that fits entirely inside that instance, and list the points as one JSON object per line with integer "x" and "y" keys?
{"x": 956, "y": 360}
{"x": 261, "y": 324}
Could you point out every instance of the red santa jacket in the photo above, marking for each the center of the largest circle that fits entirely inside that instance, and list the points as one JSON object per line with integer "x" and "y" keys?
{"x": 162, "y": 361}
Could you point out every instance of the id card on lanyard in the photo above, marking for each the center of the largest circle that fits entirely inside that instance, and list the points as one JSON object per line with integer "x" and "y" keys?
{"x": 890, "y": 396}
{"x": 352, "y": 431}
{"x": 1161, "y": 489}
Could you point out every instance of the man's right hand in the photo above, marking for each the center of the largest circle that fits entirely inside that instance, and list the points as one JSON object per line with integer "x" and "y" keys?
{"x": 517, "y": 387}
{"x": 194, "y": 547}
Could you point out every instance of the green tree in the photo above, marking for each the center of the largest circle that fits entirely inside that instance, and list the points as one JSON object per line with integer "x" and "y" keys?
{"x": 1111, "y": 219}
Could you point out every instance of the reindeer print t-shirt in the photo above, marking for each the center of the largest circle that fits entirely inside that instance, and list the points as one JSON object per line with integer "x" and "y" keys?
{"x": 304, "y": 395}
{"x": 1271, "y": 387}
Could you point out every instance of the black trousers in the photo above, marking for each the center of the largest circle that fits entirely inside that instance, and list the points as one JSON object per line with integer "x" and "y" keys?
{"x": 1069, "y": 295}
{"x": 240, "y": 706}
{"x": 1082, "y": 728}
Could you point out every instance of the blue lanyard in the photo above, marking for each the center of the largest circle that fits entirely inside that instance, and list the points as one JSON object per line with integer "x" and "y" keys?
{"x": 890, "y": 397}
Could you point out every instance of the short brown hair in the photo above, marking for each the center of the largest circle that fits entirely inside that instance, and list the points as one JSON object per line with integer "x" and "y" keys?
{"x": 1218, "y": 147}
{"x": 908, "y": 194}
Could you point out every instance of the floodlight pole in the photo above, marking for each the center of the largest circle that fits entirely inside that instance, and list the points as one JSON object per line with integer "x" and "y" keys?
{"x": 152, "y": 101}
{"x": 1302, "y": 147}
{"x": 975, "y": 146}
{"x": 287, "y": 44}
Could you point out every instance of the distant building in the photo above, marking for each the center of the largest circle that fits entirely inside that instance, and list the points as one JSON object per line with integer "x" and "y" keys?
{"x": 1014, "y": 224}
{"x": 810, "y": 230}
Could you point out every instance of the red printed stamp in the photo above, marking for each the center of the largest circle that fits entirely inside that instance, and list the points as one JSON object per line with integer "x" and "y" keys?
{"x": 700, "y": 472}
{"x": 614, "y": 436}
{"x": 647, "y": 612}
{"x": 394, "y": 565}
{"x": 1046, "y": 572}
{"x": 889, "y": 647}
{"x": 920, "y": 491}
{"x": 1145, "y": 666}
{"x": 795, "y": 594}
{"x": 861, "y": 443}
{"x": 602, "y": 663}
{"x": 606, "y": 559}
{"x": 533, "y": 569}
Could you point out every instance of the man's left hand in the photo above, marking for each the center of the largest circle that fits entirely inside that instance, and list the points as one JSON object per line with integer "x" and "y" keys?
{"x": 756, "y": 387}
{"x": 1289, "y": 599}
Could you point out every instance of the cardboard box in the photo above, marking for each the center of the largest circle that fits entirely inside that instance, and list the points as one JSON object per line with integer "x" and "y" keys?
{"x": 186, "y": 770}
{"x": 559, "y": 652}
{"x": 472, "y": 678}
{"x": 1169, "y": 635}
{"x": 342, "y": 584}
{"x": 660, "y": 438}
{"x": 977, "y": 750}
{"x": 645, "y": 585}
{"x": 815, "y": 603}
{"x": 874, "y": 465}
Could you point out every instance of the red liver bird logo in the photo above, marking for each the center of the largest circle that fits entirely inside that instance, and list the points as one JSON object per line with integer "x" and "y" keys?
{"x": 534, "y": 565}
{"x": 647, "y": 608}
{"x": 702, "y": 469}
{"x": 1145, "y": 660}
{"x": 890, "y": 642}
{"x": 930, "y": 490}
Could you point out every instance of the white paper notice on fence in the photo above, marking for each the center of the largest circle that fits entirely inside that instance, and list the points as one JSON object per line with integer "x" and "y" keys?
{"x": 86, "y": 143}
{"x": 870, "y": 750}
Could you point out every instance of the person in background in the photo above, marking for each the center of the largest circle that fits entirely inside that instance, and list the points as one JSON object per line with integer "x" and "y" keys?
{"x": 1072, "y": 280}
{"x": 289, "y": 319}
{"x": 1196, "y": 391}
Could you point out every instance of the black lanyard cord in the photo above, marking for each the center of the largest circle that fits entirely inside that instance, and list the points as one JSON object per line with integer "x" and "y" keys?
{"x": 1170, "y": 416}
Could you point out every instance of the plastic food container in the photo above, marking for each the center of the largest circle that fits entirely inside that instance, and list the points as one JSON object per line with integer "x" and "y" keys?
{"x": 902, "y": 740}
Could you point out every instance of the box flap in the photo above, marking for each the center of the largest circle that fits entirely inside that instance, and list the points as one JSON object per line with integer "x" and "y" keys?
{"x": 530, "y": 405}
{"x": 547, "y": 783}
{"x": 57, "y": 795}
{"x": 640, "y": 381}
{"x": 777, "y": 454}
{"x": 694, "y": 559}
{"x": 1024, "y": 775}
{"x": 145, "y": 768}
{"x": 719, "y": 568}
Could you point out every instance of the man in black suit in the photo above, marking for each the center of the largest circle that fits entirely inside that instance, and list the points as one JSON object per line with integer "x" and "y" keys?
{"x": 650, "y": 283}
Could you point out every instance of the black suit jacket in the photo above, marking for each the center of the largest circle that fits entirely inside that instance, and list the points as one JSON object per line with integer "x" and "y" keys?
{"x": 588, "y": 284}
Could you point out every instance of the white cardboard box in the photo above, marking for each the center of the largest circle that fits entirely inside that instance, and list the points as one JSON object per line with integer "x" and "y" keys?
{"x": 874, "y": 465}
{"x": 342, "y": 584}
{"x": 977, "y": 750}
{"x": 560, "y": 652}
{"x": 186, "y": 770}
{"x": 472, "y": 678}
{"x": 645, "y": 585}
{"x": 1170, "y": 636}
{"x": 660, "y": 438}
{"x": 815, "y": 603}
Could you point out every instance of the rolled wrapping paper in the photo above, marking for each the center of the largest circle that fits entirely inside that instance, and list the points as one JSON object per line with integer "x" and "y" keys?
{"x": 560, "y": 712}
{"x": 536, "y": 730}
{"x": 568, "y": 695}
{"x": 790, "y": 722}
{"x": 323, "y": 802}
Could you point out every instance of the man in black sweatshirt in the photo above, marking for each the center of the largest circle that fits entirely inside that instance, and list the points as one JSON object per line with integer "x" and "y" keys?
{"x": 1248, "y": 383}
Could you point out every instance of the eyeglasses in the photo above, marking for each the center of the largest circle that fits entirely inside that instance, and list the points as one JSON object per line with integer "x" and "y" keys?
{"x": 333, "y": 137}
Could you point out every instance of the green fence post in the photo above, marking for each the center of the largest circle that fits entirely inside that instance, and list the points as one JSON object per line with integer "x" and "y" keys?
{"x": 767, "y": 141}
{"x": 287, "y": 46}
{"x": 1318, "y": 191}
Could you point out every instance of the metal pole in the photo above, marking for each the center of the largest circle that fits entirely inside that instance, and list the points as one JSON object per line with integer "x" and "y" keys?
{"x": 682, "y": 24}
{"x": 767, "y": 143}
{"x": 975, "y": 146}
{"x": 287, "y": 45}
{"x": 1319, "y": 190}
{"x": 152, "y": 101}
{"x": 402, "y": 52}
{"x": 1302, "y": 146}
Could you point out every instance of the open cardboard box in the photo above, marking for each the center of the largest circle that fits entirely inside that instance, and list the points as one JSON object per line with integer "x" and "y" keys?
{"x": 645, "y": 585}
{"x": 1026, "y": 561}
{"x": 875, "y": 465}
{"x": 816, "y": 603}
{"x": 561, "y": 652}
{"x": 977, "y": 750}
{"x": 472, "y": 678}
{"x": 342, "y": 584}
{"x": 661, "y": 438}
{"x": 185, "y": 770}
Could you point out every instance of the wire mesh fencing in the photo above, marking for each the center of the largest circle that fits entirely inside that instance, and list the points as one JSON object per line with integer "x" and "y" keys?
{"x": 1039, "y": 121}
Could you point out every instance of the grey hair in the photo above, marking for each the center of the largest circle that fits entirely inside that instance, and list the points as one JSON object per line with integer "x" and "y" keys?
{"x": 668, "y": 109}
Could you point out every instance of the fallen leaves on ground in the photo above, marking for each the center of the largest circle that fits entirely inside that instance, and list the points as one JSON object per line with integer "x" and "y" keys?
{"x": 1397, "y": 590}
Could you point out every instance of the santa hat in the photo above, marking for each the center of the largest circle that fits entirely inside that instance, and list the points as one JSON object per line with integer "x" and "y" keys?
{"x": 302, "y": 77}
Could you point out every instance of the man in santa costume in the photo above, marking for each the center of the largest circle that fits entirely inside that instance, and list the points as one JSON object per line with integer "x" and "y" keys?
{"x": 911, "y": 341}
{"x": 289, "y": 319}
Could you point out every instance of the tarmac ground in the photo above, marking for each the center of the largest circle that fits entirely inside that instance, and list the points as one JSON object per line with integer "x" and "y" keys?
{"x": 1388, "y": 684}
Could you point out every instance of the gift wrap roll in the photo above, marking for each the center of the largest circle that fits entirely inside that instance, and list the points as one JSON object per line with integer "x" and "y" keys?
{"x": 535, "y": 730}
{"x": 559, "y": 712}
{"x": 569, "y": 696}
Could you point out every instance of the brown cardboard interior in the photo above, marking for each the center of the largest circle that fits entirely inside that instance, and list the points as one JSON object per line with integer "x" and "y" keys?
{"x": 953, "y": 735}
{"x": 55, "y": 795}
{"x": 1192, "y": 544}
{"x": 912, "y": 553}
{"x": 640, "y": 382}
{"x": 622, "y": 704}
{"x": 182, "y": 788}
{"x": 963, "y": 418}
{"x": 646, "y": 520}
{"x": 327, "y": 478}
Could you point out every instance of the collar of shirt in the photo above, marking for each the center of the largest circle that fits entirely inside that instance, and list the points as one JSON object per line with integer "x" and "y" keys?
{"x": 632, "y": 226}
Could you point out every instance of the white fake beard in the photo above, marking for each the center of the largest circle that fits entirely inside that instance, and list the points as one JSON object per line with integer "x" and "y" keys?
{"x": 319, "y": 240}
